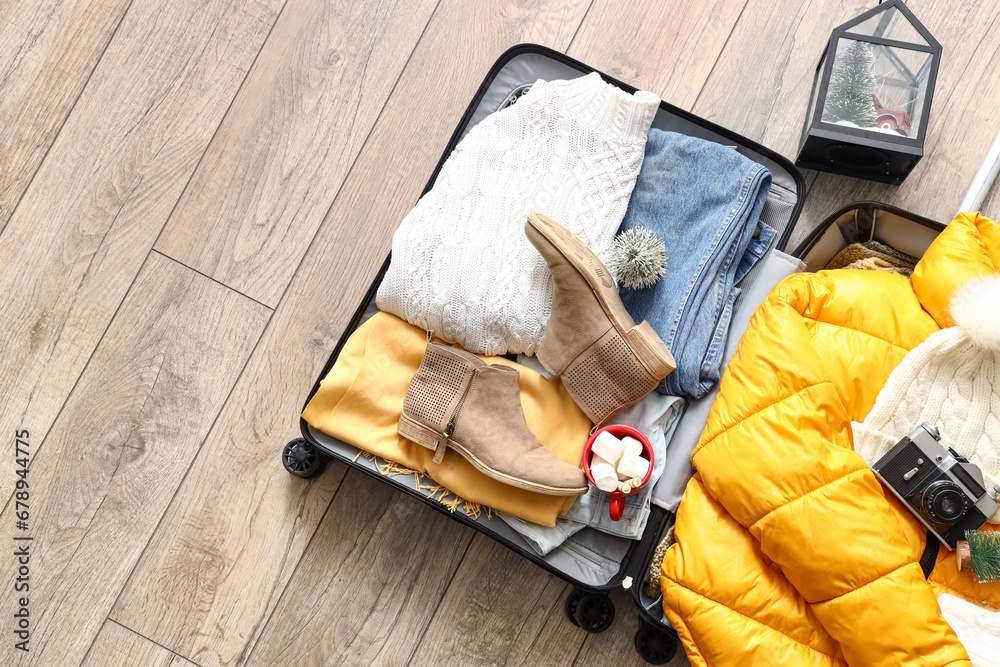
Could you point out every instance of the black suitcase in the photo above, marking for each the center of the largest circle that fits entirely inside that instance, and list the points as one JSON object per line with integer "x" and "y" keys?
{"x": 592, "y": 561}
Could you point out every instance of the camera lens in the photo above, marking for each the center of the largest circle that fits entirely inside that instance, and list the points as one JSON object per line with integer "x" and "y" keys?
{"x": 944, "y": 502}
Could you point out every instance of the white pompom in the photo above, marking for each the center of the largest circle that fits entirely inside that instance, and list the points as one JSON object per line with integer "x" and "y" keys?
{"x": 975, "y": 306}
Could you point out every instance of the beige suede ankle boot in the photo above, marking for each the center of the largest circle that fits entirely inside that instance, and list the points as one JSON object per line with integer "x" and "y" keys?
{"x": 459, "y": 401}
{"x": 606, "y": 361}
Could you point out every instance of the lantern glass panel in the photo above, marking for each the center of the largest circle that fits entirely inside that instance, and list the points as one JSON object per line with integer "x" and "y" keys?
{"x": 814, "y": 97}
{"x": 890, "y": 24}
{"x": 876, "y": 87}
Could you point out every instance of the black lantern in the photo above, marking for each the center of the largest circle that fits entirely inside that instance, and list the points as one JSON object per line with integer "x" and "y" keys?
{"x": 871, "y": 99}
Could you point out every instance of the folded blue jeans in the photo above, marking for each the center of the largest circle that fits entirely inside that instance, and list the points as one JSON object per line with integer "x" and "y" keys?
{"x": 704, "y": 201}
{"x": 655, "y": 416}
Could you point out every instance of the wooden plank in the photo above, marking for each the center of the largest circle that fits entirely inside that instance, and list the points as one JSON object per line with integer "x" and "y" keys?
{"x": 761, "y": 83}
{"x": 368, "y": 585}
{"x": 117, "y": 646}
{"x": 616, "y": 645}
{"x": 97, "y": 203}
{"x": 500, "y": 609}
{"x": 962, "y": 124}
{"x": 103, "y": 477}
{"x": 47, "y": 51}
{"x": 286, "y": 145}
{"x": 668, "y": 47}
{"x": 257, "y": 534}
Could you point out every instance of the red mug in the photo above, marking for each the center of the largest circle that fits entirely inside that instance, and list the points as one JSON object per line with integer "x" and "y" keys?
{"x": 619, "y": 431}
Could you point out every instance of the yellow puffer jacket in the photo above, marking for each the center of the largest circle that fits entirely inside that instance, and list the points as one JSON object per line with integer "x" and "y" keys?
{"x": 788, "y": 551}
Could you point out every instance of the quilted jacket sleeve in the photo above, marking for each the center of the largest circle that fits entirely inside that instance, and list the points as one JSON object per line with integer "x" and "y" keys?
{"x": 776, "y": 453}
{"x": 720, "y": 618}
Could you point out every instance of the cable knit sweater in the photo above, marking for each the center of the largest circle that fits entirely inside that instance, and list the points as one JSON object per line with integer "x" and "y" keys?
{"x": 461, "y": 264}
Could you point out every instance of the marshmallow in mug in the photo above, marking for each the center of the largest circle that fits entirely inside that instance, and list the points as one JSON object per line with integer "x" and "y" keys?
{"x": 633, "y": 466}
{"x": 632, "y": 447}
{"x": 608, "y": 447}
{"x": 605, "y": 477}
{"x": 596, "y": 459}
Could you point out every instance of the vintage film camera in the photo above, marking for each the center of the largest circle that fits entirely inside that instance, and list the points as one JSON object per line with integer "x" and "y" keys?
{"x": 942, "y": 489}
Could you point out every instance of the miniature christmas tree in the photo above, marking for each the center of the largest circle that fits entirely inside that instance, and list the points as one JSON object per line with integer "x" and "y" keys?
{"x": 638, "y": 258}
{"x": 852, "y": 85}
{"x": 982, "y": 553}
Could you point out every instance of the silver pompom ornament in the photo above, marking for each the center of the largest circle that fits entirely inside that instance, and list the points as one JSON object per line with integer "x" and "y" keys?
{"x": 638, "y": 258}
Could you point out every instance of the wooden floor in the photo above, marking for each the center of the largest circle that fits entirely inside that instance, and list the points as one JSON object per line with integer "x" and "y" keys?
{"x": 194, "y": 195}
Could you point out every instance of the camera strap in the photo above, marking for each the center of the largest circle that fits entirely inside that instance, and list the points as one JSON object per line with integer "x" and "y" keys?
{"x": 929, "y": 557}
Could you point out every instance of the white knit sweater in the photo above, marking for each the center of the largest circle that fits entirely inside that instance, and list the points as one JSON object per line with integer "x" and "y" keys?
{"x": 461, "y": 264}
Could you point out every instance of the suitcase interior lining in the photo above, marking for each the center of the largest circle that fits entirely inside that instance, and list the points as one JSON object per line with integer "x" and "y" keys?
{"x": 900, "y": 229}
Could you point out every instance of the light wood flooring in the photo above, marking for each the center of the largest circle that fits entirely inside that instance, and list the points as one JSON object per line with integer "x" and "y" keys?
{"x": 194, "y": 195}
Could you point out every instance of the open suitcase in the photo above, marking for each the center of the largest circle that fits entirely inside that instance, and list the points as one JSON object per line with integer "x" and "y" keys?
{"x": 592, "y": 561}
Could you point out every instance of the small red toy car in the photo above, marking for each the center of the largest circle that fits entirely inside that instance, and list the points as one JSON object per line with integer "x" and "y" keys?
{"x": 891, "y": 120}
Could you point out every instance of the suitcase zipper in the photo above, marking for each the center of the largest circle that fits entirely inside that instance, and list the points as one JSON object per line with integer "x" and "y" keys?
{"x": 450, "y": 428}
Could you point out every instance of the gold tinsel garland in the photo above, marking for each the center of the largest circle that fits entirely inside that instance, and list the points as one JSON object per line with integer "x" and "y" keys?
{"x": 653, "y": 586}
{"x": 435, "y": 491}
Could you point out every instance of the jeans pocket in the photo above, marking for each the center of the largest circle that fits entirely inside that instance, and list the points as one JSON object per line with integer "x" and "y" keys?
{"x": 755, "y": 251}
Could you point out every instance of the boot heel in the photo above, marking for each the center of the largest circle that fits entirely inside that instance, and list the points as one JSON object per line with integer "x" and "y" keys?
{"x": 651, "y": 350}
{"x": 418, "y": 433}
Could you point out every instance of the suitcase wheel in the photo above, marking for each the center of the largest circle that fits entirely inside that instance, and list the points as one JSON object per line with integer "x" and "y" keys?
{"x": 593, "y": 612}
{"x": 655, "y": 645}
{"x": 302, "y": 459}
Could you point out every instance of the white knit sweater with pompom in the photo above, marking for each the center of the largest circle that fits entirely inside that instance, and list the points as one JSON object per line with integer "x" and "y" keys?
{"x": 951, "y": 380}
{"x": 461, "y": 264}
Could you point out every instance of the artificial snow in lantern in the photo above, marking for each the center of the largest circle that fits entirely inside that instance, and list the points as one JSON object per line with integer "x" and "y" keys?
{"x": 871, "y": 99}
